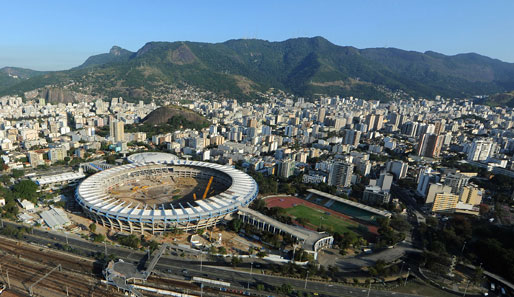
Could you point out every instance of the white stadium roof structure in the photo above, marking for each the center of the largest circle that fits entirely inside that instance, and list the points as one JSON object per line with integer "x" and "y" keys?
{"x": 151, "y": 157}
{"x": 94, "y": 197}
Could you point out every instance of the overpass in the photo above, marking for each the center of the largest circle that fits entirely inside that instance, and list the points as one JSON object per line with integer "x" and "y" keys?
{"x": 311, "y": 241}
{"x": 123, "y": 275}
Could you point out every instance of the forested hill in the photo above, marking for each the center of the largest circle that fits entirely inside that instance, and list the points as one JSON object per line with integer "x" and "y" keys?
{"x": 303, "y": 66}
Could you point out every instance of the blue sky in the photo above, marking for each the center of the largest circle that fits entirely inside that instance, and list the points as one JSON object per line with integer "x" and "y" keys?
{"x": 53, "y": 35}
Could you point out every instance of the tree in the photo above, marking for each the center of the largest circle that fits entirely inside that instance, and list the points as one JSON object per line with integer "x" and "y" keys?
{"x": 26, "y": 189}
{"x": 286, "y": 289}
{"x": 259, "y": 204}
{"x": 477, "y": 277}
{"x": 16, "y": 173}
{"x": 399, "y": 223}
{"x": 235, "y": 225}
{"x": 98, "y": 238}
{"x": 235, "y": 261}
{"x": 130, "y": 240}
{"x": 92, "y": 227}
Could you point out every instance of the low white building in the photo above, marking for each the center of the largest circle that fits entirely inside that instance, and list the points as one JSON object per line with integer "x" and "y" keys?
{"x": 55, "y": 218}
{"x": 27, "y": 205}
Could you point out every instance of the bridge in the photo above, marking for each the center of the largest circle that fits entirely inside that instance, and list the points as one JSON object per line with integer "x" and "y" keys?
{"x": 124, "y": 275}
{"x": 311, "y": 241}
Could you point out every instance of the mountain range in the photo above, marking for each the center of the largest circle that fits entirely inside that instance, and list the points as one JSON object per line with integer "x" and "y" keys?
{"x": 243, "y": 67}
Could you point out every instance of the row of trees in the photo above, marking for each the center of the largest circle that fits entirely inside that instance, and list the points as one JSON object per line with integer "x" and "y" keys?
{"x": 476, "y": 240}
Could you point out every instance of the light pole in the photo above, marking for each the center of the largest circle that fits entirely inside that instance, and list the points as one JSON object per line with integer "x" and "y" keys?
{"x": 307, "y": 276}
{"x": 463, "y": 247}
{"x": 201, "y": 264}
{"x": 369, "y": 289}
{"x": 321, "y": 218}
{"x": 8, "y": 281}
{"x": 251, "y": 271}
{"x": 466, "y": 290}
{"x": 401, "y": 269}
{"x": 408, "y": 273}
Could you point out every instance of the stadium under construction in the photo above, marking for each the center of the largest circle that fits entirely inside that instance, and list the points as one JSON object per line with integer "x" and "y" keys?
{"x": 159, "y": 193}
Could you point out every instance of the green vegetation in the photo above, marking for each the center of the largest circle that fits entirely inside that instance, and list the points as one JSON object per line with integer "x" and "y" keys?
{"x": 418, "y": 287}
{"x": 381, "y": 269}
{"x": 317, "y": 218}
{"x": 502, "y": 99}
{"x": 7, "y": 80}
{"x": 473, "y": 239}
{"x": 14, "y": 232}
{"x": 26, "y": 189}
{"x": 116, "y": 54}
{"x": 98, "y": 237}
{"x": 304, "y": 66}
{"x": 348, "y": 240}
{"x": 129, "y": 240}
{"x": 391, "y": 231}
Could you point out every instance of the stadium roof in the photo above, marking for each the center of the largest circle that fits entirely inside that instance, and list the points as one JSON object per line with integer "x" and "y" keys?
{"x": 151, "y": 157}
{"x": 92, "y": 194}
{"x": 57, "y": 178}
{"x": 351, "y": 203}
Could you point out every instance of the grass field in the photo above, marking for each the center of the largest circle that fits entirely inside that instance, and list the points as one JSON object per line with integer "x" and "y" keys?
{"x": 315, "y": 216}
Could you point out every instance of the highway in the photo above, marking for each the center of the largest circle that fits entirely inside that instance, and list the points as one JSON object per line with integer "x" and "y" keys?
{"x": 172, "y": 265}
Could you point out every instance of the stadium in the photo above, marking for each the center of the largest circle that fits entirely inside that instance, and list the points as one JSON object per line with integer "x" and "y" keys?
{"x": 162, "y": 194}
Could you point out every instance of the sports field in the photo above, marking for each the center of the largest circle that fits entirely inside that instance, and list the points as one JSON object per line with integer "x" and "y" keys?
{"x": 314, "y": 213}
{"x": 314, "y": 217}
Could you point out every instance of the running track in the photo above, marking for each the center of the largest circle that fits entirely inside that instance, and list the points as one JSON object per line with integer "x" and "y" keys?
{"x": 291, "y": 201}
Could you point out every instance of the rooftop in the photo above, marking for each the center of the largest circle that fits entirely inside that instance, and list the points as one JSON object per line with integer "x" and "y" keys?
{"x": 351, "y": 203}
{"x": 151, "y": 157}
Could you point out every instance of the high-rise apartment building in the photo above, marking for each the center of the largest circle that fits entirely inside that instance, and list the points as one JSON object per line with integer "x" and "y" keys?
{"x": 480, "y": 150}
{"x": 430, "y": 145}
{"x": 398, "y": 168}
{"x": 471, "y": 195}
{"x": 445, "y": 202}
{"x": 341, "y": 174}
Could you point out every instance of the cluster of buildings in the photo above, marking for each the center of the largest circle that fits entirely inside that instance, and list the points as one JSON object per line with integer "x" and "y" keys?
{"x": 449, "y": 190}
{"x": 338, "y": 141}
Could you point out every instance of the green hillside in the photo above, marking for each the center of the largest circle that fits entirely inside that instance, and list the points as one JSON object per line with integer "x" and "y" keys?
{"x": 12, "y": 75}
{"x": 303, "y": 66}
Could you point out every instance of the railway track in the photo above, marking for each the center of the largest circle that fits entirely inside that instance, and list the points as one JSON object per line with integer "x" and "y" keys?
{"x": 50, "y": 257}
{"x": 26, "y": 273}
{"x": 27, "y": 263}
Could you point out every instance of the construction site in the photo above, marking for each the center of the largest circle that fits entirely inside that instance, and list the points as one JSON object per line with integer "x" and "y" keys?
{"x": 158, "y": 197}
{"x": 166, "y": 190}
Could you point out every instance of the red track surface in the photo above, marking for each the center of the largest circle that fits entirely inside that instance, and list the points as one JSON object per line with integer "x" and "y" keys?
{"x": 290, "y": 201}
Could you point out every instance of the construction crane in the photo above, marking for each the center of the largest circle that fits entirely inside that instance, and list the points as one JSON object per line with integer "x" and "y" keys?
{"x": 208, "y": 187}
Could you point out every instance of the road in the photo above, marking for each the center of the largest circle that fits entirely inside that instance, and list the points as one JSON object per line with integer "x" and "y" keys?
{"x": 238, "y": 279}
{"x": 326, "y": 257}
